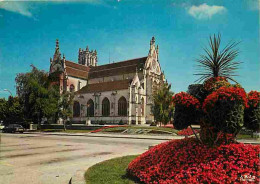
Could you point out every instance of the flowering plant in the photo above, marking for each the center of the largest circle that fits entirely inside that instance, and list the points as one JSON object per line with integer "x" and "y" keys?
{"x": 186, "y": 100}
{"x": 234, "y": 94}
{"x": 187, "y": 132}
{"x": 214, "y": 83}
{"x": 187, "y": 161}
{"x": 253, "y": 98}
{"x": 187, "y": 110}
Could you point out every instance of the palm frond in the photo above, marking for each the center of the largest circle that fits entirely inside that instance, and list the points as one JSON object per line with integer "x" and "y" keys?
{"x": 216, "y": 62}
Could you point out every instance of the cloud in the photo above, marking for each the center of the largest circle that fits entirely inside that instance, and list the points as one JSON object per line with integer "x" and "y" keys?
{"x": 16, "y": 7}
{"x": 24, "y": 7}
{"x": 205, "y": 11}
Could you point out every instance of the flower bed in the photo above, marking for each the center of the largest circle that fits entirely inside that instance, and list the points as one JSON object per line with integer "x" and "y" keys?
{"x": 187, "y": 132}
{"x": 188, "y": 161}
{"x": 106, "y": 127}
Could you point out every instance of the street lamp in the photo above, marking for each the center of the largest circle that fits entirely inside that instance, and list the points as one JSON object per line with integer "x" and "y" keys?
{"x": 8, "y": 91}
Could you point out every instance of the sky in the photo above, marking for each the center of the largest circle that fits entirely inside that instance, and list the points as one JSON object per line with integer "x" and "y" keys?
{"x": 122, "y": 29}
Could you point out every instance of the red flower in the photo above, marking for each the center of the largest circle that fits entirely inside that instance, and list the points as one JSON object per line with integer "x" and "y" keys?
{"x": 188, "y": 161}
{"x": 225, "y": 94}
{"x": 185, "y": 99}
{"x": 253, "y": 98}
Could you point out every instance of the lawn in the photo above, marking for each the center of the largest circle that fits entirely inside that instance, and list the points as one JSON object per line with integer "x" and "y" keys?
{"x": 111, "y": 171}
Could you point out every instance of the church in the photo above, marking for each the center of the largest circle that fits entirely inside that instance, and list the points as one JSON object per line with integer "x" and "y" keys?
{"x": 111, "y": 93}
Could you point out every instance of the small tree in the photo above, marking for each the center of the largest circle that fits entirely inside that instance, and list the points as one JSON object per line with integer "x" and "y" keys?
{"x": 163, "y": 107}
{"x": 65, "y": 109}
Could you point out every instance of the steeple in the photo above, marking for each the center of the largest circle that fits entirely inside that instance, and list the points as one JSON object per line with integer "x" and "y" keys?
{"x": 57, "y": 54}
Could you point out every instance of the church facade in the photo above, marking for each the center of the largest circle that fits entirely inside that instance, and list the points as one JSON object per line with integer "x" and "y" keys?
{"x": 110, "y": 93}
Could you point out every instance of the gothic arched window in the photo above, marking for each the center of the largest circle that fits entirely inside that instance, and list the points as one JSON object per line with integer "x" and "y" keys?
{"x": 90, "y": 108}
{"x": 72, "y": 88}
{"x": 76, "y": 109}
{"x": 122, "y": 107}
{"x": 105, "y": 107}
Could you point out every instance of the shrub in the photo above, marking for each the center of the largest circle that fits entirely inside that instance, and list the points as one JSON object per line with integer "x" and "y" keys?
{"x": 121, "y": 122}
{"x": 187, "y": 161}
{"x": 252, "y": 112}
{"x": 186, "y": 110}
{"x": 186, "y": 132}
{"x": 225, "y": 109}
{"x": 198, "y": 91}
{"x": 215, "y": 83}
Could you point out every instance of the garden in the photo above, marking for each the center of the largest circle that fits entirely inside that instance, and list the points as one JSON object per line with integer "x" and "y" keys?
{"x": 222, "y": 109}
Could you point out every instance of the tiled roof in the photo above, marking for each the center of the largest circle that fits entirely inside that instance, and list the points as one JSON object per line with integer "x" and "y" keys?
{"x": 118, "y": 68}
{"x": 76, "y": 65}
{"x": 76, "y": 70}
{"x": 76, "y": 73}
{"x": 105, "y": 86}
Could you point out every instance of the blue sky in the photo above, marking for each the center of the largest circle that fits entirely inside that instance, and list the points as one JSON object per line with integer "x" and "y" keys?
{"x": 124, "y": 28}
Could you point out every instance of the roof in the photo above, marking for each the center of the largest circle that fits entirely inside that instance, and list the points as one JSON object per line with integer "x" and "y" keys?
{"x": 118, "y": 68}
{"x": 77, "y": 70}
{"x": 105, "y": 86}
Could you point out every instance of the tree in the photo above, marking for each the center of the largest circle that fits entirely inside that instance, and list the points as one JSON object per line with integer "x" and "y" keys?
{"x": 218, "y": 62}
{"x": 38, "y": 97}
{"x": 65, "y": 109}
{"x": 163, "y": 106}
{"x": 3, "y": 109}
{"x": 14, "y": 111}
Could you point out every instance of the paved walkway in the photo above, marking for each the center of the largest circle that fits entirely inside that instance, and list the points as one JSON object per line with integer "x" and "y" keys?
{"x": 77, "y": 177}
{"x": 132, "y": 136}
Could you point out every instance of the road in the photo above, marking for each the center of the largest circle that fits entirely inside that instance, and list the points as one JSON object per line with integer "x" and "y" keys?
{"x": 47, "y": 159}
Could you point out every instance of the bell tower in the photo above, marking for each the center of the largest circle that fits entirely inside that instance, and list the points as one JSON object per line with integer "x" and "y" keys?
{"x": 87, "y": 57}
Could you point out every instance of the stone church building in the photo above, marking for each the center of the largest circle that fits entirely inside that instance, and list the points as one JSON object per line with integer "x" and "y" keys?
{"x": 110, "y": 93}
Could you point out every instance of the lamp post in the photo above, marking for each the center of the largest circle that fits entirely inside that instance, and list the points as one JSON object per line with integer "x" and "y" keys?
{"x": 8, "y": 91}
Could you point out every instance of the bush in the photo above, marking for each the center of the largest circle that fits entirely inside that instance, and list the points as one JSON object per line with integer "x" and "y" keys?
{"x": 225, "y": 109}
{"x": 153, "y": 124}
{"x": 101, "y": 123}
{"x": 121, "y": 122}
{"x": 198, "y": 91}
{"x": 215, "y": 83}
{"x": 187, "y": 161}
{"x": 252, "y": 112}
{"x": 186, "y": 110}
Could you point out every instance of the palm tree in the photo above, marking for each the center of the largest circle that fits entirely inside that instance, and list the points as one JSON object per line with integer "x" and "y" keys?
{"x": 218, "y": 62}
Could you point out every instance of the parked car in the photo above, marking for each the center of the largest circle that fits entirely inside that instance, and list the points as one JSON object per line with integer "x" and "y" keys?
{"x": 12, "y": 128}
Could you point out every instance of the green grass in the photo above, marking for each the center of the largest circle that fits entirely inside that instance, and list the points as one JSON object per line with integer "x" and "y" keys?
{"x": 110, "y": 172}
{"x": 246, "y": 136}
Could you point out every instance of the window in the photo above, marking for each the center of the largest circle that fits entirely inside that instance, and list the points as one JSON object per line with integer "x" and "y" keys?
{"x": 76, "y": 109}
{"x": 122, "y": 107}
{"x": 72, "y": 88}
{"x": 105, "y": 107}
{"x": 90, "y": 108}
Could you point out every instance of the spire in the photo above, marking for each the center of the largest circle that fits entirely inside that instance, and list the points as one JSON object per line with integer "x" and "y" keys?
{"x": 87, "y": 49}
{"x": 57, "y": 54}
{"x": 63, "y": 56}
{"x": 152, "y": 41}
{"x": 57, "y": 43}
